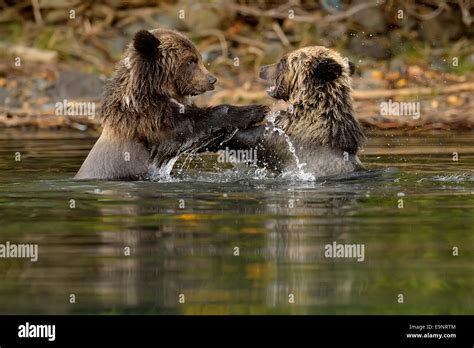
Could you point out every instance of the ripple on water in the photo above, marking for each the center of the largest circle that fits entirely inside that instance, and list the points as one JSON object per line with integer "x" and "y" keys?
{"x": 456, "y": 178}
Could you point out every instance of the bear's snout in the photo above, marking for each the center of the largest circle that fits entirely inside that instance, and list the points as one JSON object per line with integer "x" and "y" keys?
{"x": 212, "y": 80}
{"x": 264, "y": 72}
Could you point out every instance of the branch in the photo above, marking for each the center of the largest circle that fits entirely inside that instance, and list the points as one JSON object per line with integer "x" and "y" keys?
{"x": 386, "y": 93}
{"x": 282, "y": 13}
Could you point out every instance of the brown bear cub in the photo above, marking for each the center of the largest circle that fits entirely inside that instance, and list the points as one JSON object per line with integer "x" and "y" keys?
{"x": 147, "y": 115}
{"x": 319, "y": 122}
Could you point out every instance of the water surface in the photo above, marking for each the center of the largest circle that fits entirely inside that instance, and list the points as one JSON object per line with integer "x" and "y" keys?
{"x": 182, "y": 234}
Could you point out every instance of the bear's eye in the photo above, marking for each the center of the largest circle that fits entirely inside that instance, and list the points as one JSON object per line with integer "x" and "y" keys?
{"x": 192, "y": 61}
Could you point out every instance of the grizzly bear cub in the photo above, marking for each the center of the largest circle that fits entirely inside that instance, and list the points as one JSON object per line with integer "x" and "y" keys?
{"x": 147, "y": 116}
{"x": 320, "y": 126}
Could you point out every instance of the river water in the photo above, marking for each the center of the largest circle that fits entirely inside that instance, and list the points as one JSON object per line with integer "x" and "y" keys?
{"x": 215, "y": 240}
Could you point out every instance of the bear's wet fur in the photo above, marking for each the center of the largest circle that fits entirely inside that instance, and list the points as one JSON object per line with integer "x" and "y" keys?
{"x": 147, "y": 114}
{"x": 320, "y": 122}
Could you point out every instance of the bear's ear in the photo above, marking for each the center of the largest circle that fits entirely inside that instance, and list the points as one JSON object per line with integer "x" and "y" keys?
{"x": 146, "y": 44}
{"x": 352, "y": 68}
{"x": 326, "y": 69}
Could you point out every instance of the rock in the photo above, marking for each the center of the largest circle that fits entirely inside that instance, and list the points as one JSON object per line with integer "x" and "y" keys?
{"x": 196, "y": 16}
{"x": 171, "y": 22}
{"x": 371, "y": 19}
{"x": 163, "y": 21}
{"x": 439, "y": 63}
{"x": 3, "y": 95}
{"x": 7, "y": 100}
{"x": 75, "y": 85}
{"x": 439, "y": 30}
{"x": 116, "y": 45}
{"x": 332, "y": 35}
{"x": 372, "y": 47}
{"x": 131, "y": 29}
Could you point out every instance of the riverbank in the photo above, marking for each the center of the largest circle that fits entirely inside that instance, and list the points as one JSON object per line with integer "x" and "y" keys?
{"x": 417, "y": 100}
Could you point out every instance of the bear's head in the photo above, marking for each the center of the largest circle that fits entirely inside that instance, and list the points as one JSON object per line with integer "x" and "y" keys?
{"x": 317, "y": 81}
{"x": 163, "y": 62}
{"x": 298, "y": 76}
{"x": 159, "y": 67}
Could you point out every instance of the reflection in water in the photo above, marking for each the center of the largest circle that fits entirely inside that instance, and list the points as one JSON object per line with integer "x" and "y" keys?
{"x": 170, "y": 255}
{"x": 183, "y": 237}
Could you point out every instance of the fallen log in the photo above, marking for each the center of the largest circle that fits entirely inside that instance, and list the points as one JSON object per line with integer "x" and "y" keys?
{"x": 406, "y": 92}
{"x": 29, "y": 53}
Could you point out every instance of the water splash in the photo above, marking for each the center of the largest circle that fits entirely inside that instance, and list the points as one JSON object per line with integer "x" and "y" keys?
{"x": 298, "y": 173}
{"x": 187, "y": 162}
{"x": 230, "y": 136}
{"x": 192, "y": 153}
{"x": 163, "y": 173}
